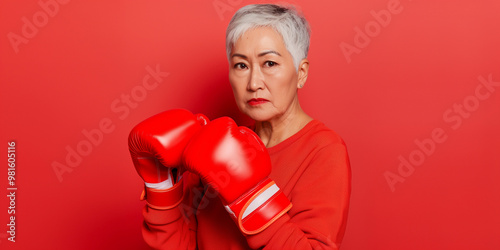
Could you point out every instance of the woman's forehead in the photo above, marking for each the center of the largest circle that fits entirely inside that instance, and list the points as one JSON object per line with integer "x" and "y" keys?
{"x": 259, "y": 40}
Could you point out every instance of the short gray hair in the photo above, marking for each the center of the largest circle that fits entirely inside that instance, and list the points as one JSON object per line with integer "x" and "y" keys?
{"x": 286, "y": 20}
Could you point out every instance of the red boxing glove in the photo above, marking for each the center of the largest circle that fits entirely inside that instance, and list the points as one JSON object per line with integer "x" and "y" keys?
{"x": 156, "y": 146}
{"x": 234, "y": 161}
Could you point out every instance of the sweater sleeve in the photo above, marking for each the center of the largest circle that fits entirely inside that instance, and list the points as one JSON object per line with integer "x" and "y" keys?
{"x": 320, "y": 201}
{"x": 174, "y": 228}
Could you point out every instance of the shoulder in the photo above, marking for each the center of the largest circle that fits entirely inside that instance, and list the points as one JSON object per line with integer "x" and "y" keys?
{"x": 328, "y": 148}
{"x": 327, "y": 162}
{"x": 323, "y": 137}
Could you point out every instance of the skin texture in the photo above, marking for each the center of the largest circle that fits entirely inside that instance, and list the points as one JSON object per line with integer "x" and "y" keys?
{"x": 261, "y": 67}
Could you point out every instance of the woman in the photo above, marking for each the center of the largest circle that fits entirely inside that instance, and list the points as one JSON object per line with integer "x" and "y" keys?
{"x": 288, "y": 188}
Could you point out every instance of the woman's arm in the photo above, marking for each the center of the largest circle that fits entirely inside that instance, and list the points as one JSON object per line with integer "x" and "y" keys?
{"x": 174, "y": 228}
{"x": 156, "y": 145}
{"x": 320, "y": 201}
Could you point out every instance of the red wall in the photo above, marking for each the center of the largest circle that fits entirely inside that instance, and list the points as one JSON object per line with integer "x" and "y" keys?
{"x": 412, "y": 86}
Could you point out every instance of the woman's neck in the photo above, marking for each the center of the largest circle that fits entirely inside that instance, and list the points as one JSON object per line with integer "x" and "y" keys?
{"x": 274, "y": 131}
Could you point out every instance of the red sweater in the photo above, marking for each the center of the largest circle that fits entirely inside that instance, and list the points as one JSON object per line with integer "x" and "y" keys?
{"x": 312, "y": 169}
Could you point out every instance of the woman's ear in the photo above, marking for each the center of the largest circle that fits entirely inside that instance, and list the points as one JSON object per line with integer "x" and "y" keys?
{"x": 302, "y": 73}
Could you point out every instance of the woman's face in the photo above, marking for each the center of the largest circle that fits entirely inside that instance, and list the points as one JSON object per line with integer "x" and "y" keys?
{"x": 262, "y": 75}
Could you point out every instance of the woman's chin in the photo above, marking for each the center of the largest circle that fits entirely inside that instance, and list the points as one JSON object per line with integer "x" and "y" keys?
{"x": 258, "y": 115}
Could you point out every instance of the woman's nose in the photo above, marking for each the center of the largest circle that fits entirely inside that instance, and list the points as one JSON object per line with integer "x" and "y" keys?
{"x": 256, "y": 80}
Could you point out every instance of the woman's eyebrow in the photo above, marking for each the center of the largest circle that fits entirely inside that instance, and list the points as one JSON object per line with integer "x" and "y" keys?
{"x": 260, "y": 54}
{"x": 269, "y": 52}
{"x": 239, "y": 55}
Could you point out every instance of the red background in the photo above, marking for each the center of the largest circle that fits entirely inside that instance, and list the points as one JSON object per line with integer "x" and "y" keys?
{"x": 403, "y": 84}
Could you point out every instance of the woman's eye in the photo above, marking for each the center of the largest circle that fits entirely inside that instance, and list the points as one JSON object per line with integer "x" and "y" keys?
{"x": 240, "y": 66}
{"x": 270, "y": 63}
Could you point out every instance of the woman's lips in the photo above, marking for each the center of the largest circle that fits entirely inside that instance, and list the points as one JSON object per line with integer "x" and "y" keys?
{"x": 257, "y": 101}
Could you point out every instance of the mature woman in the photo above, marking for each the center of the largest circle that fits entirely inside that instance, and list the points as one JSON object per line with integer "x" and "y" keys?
{"x": 282, "y": 184}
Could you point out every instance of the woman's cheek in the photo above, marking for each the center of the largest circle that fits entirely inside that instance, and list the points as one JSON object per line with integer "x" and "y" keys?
{"x": 272, "y": 72}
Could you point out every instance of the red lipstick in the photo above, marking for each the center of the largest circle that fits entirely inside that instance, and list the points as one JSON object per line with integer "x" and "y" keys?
{"x": 257, "y": 101}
